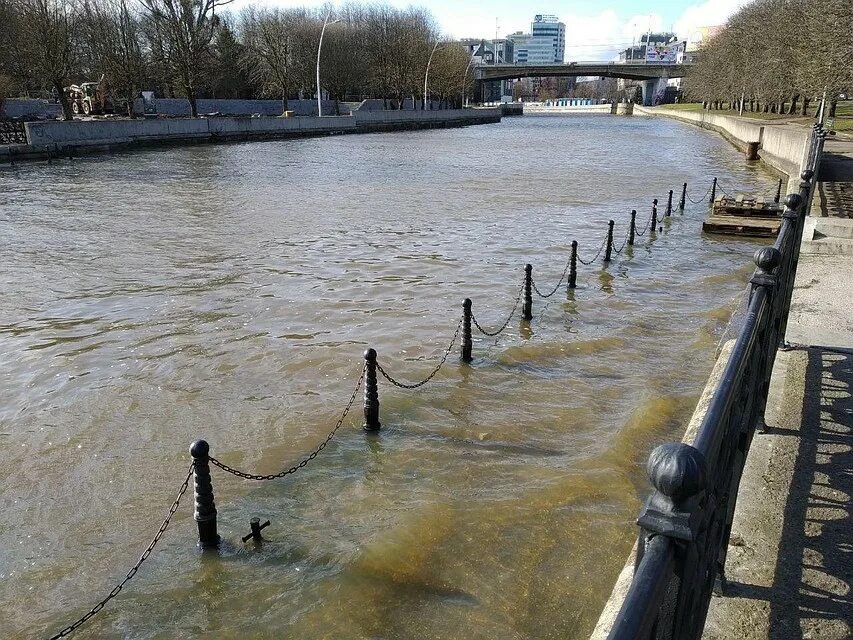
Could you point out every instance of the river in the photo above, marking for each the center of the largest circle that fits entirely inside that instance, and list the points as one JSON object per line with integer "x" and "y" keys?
{"x": 227, "y": 292}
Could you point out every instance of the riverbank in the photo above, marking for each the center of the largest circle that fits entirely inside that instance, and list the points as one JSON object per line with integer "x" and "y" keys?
{"x": 781, "y": 146}
{"x": 54, "y": 138}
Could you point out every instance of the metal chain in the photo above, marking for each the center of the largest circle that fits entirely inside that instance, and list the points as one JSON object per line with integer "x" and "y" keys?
{"x": 492, "y": 334}
{"x": 556, "y": 286}
{"x": 646, "y": 228}
{"x": 305, "y": 460}
{"x": 112, "y": 594}
{"x": 600, "y": 249}
{"x": 702, "y": 199}
{"x": 624, "y": 242}
{"x": 432, "y": 374}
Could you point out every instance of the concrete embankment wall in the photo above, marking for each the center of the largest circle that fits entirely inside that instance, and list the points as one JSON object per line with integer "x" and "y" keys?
{"x": 782, "y": 146}
{"x": 590, "y": 108}
{"x": 55, "y": 137}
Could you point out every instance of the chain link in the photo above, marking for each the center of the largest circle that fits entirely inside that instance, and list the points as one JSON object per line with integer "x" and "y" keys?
{"x": 703, "y": 198}
{"x": 432, "y": 374}
{"x": 112, "y": 594}
{"x": 305, "y": 460}
{"x": 492, "y": 334}
{"x": 600, "y": 249}
{"x": 556, "y": 286}
{"x": 646, "y": 228}
{"x": 624, "y": 242}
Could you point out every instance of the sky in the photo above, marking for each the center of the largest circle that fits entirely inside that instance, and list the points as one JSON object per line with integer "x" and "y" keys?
{"x": 594, "y": 30}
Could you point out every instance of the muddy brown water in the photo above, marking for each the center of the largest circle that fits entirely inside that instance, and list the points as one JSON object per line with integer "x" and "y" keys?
{"x": 228, "y": 292}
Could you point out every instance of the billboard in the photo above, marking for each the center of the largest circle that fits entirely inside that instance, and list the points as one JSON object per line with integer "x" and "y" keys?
{"x": 664, "y": 52}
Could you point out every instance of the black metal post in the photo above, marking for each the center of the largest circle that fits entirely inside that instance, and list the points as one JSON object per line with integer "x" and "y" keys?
{"x": 654, "y": 214}
{"x": 713, "y": 192}
{"x": 778, "y": 192}
{"x": 633, "y": 227}
{"x": 467, "y": 343}
{"x": 205, "y": 507}
{"x": 371, "y": 392}
{"x": 609, "y": 249}
{"x": 669, "y": 204}
{"x": 528, "y": 292}
{"x": 573, "y": 267}
{"x": 683, "y": 197}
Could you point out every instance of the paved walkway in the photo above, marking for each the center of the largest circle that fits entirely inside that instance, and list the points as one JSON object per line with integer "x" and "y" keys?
{"x": 790, "y": 562}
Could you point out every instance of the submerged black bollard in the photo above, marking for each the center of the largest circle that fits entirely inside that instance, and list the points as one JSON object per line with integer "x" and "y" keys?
{"x": 713, "y": 191}
{"x": 573, "y": 266}
{"x": 527, "y": 313}
{"x": 683, "y": 197}
{"x": 669, "y": 205}
{"x": 607, "y": 252}
{"x": 633, "y": 227}
{"x": 256, "y": 526}
{"x": 371, "y": 392}
{"x": 654, "y": 214}
{"x": 205, "y": 508}
{"x": 466, "y": 331}
{"x": 778, "y": 192}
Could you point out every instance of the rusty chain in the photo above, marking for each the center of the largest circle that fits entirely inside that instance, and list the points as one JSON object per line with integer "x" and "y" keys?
{"x": 492, "y": 334}
{"x": 432, "y": 374}
{"x": 112, "y": 594}
{"x": 306, "y": 459}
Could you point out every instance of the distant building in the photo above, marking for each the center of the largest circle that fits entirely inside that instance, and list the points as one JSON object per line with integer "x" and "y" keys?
{"x": 487, "y": 52}
{"x": 545, "y": 44}
{"x": 648, "y": 48}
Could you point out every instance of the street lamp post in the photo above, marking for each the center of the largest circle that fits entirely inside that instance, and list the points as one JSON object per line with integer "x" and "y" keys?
{"x": 426, "y": 75}
{"x": 465, "y": 77}
{"x": 319, "y": 49}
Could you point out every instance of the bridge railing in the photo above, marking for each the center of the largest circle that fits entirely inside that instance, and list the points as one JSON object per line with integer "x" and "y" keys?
{"x": 686, "y": 522}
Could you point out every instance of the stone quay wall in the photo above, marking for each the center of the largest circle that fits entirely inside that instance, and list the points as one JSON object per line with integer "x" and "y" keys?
{"x": 782, "y": 146}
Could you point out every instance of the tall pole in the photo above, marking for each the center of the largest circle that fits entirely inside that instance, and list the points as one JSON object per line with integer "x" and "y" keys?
{"x": 464, "y": 77}
{"x": 426, "y": 75}
{"x": 319, "y": 49}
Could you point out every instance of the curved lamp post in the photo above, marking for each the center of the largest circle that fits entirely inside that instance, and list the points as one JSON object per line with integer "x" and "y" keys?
{"x": 426, "y": 75}
{"x": 464, "y": 77}
{"x": 319, "y": 49}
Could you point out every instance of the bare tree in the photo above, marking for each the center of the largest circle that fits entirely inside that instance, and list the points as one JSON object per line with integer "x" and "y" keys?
{"x": 268, "y": 37}
{"x": 186, "y": 28}
{"x": 115, "y": 39}
{"x": 50, "y": 42}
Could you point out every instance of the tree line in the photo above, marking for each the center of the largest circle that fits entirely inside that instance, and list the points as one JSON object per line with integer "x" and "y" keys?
{"x": 777, "y": 56}
{"x": 198, "y": 48}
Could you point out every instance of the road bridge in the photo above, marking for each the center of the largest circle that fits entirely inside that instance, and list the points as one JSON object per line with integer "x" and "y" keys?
{"x": 654, "y": 75}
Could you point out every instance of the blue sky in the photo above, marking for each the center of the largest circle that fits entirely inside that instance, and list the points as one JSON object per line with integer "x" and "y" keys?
{"x": 594, "y": 30}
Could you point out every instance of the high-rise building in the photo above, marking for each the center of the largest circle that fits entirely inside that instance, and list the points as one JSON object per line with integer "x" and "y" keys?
{"x": 546, "y": 42}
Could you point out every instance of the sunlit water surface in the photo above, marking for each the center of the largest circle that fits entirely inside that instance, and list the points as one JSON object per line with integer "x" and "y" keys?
{"x": 228, "y": 292}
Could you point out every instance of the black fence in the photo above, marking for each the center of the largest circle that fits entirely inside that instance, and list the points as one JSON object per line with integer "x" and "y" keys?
{"x": 12, "y": 132}
{"x": 686, "y": 522}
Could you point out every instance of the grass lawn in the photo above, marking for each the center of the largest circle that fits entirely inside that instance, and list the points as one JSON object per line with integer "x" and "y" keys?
{"x": 843, "y": 114}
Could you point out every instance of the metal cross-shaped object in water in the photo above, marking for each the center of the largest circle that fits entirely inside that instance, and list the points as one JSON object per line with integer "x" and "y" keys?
{"x": 256, "y": 525}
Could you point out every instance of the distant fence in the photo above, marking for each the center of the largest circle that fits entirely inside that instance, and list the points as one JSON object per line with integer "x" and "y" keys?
{"x": 686, "y": 522}
{"x": 372, "y": 369}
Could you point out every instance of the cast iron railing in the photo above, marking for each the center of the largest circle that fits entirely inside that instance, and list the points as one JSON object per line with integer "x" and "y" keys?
{"x": 12, "y": 132}
{"x": 686, "y": 522}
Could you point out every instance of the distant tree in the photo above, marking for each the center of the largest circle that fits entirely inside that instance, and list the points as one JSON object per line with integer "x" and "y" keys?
{"x": 184, "y": 30}
{"x": 268, "y": 56}
{"x": 50, "y": 41}
{"x": 228, "y": 77}
{"x": 116, "y": 43}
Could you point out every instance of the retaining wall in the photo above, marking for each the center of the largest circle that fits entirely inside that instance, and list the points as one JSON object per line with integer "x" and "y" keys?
{"x": 589, "y": 108}
{"x": 782, "y": 146}
{"x": 55, "y": 137}
{"x": 29, "y": 107}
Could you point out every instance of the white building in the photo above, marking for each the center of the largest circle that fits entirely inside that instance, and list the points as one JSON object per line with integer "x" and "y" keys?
{"x": 545, "y": 44}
